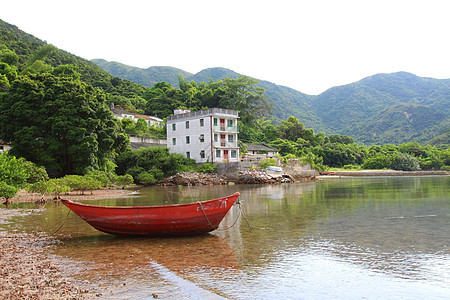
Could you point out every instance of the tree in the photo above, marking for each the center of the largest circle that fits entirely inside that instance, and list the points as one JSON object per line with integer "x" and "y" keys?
{"x": 153, "y": 163}
{"x": 7, "y": 191}
{"x": 292, "y": 129}
{"x": 59, "y": 122}
{"x": 243, "y": 95}
{"x": 405, "y": 162}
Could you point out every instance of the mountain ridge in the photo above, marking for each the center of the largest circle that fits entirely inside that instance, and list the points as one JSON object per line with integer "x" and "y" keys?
{"x": 353, "y": 108}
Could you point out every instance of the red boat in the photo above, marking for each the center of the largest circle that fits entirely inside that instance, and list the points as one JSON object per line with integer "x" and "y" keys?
{"x": 164, "y": 220}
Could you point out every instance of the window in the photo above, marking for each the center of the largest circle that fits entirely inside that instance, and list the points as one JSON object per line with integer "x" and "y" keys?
{"x": 202, "y": 154}
{"x": 202, "y": 122}
{"x": 217, "y": 153}
{"x": 174, "y": 127}
{"x": 188, "y": 154}
{"x": 216, "y": 138}
{"x": 174, "y": 141}
{"x": 230, "y": 123}
{"x": 230, "y": 138}
{"x": 215, "y": 121}
{"x": 233, "y": 153}
{"x": 202, "y": 138}
{"x": 188, "y": 140}
{"x": 187, "y": 124}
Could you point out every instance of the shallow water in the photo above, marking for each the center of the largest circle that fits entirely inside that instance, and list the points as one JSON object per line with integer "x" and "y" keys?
{"x": 386, "y": 237}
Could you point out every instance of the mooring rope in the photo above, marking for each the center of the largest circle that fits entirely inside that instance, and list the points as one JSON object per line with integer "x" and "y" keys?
{"x": 241, "y": 212}
{"x": 206, "y": 217}
{"x": 62, "y": 223}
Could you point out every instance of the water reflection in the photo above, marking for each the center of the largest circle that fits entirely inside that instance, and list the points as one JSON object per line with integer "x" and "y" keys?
{"x": 354, "y": 237}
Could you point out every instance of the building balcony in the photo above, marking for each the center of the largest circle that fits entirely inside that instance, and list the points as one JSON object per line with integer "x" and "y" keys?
{"x": 233, "y": 129}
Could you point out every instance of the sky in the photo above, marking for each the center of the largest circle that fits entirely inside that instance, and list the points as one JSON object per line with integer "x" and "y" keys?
{"x": 309, "y": 46}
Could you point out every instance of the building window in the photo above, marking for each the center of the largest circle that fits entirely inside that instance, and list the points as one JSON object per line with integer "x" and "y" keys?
{"x": 230, "y": 123}
{"x": 174, "y": 141}
{"x": 174, "y": 127}
{"x": 202, "y": 122}
{"x": 188, "y": 140}
{"x": 188, "y": 154}
{"x": 230, "y": 138}
{"x": 202, "y": 154}
{"x": 187, "y": 124}
{"x": 217, "y": 153}
{"x": 216, "y": 138}
{"x": 215, "y": 121}
{"x": 233, "y": 153}
{"x": 202, "y": 138}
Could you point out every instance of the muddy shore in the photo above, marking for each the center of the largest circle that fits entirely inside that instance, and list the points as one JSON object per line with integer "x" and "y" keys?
{"x": 27, "y": 271}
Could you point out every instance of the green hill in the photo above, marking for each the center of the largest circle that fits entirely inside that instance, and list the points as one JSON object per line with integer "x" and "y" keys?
{"x": 147, "y": 77}
{"x": 384, "y": 108}
{"x": 387, "y": 108}
{"x": 27, "y": 47}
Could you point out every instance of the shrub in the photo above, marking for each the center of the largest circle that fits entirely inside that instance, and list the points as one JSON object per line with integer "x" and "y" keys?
{"x": 405, "y": 162}
{"x": 267, "y": 162}
{"x": 378, "y": 162}
{"x": 146, "y": 178}
{"x": 207, "y": 168}
{"x": 124, "y": 180}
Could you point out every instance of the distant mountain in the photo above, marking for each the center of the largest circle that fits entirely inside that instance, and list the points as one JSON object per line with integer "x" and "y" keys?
{"x": 387, "y": 108}
{"x": 147, "y": 77}
{"x": 383, "y": 108}
{"x": 287, "y": 101}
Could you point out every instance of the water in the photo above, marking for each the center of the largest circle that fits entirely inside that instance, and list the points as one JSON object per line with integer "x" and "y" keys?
{"x": 347, "y": 238}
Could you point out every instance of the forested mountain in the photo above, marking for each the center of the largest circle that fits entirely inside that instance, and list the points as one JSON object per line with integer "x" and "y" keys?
{"x": 383, "y": 108}
{"x": 31, "y": 51}
{"x": 387, "y": 108}
{"x": 147, "y": 77}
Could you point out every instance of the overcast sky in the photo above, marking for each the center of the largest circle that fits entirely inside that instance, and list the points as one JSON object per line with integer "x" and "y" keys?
{"x": 307, "y": 45}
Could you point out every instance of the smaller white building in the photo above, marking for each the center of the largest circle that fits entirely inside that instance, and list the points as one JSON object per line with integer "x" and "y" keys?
{"x": 123, "y": 114}
{"x": 4, "y": 146}
{"x": 209, "y": 135}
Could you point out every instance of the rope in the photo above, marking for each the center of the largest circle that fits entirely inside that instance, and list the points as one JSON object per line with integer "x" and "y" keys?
{"x": 62, "y": 223}
{"x": 222, "y": 229}
{"x": 206, "y": 217}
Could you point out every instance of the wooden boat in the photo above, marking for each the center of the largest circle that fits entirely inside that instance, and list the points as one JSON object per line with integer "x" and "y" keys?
{"x": 164, "y": 220}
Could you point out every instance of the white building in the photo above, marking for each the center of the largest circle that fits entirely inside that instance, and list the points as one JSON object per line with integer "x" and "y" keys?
{"x": 123, "y": 114}
{"x": 209, "y": 135}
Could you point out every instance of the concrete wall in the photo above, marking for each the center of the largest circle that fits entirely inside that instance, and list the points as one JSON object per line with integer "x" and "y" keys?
{"x": 231, "y": 170}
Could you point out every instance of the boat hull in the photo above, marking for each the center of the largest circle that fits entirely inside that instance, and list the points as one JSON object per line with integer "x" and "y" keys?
{"x": 166, "y": 220}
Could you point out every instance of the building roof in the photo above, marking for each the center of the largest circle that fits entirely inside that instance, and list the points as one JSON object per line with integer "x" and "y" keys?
{"x": 119, "y": 111}
{"x": 260, "y": 147}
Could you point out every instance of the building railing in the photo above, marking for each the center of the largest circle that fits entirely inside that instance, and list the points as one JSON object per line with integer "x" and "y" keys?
{"x": 205, "y": 112}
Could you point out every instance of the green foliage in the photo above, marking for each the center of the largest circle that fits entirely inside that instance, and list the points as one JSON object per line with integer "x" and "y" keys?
{"x": 14, "y": 171}
{"x": 146, "y": 178}
{"x": 156, "y": 161}
{"x": 124, "y": 180}
{"x": 7, "y": 191}
{"x": 206, "y": 168}
{"x": 405, "y": 162}
{"x": 56, "y": 186}
{"x": 267, "y": 162}
{"x": 59, "y": 122}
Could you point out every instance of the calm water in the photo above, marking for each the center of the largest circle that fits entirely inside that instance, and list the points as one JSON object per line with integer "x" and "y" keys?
{"x": 348, "y": 238}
